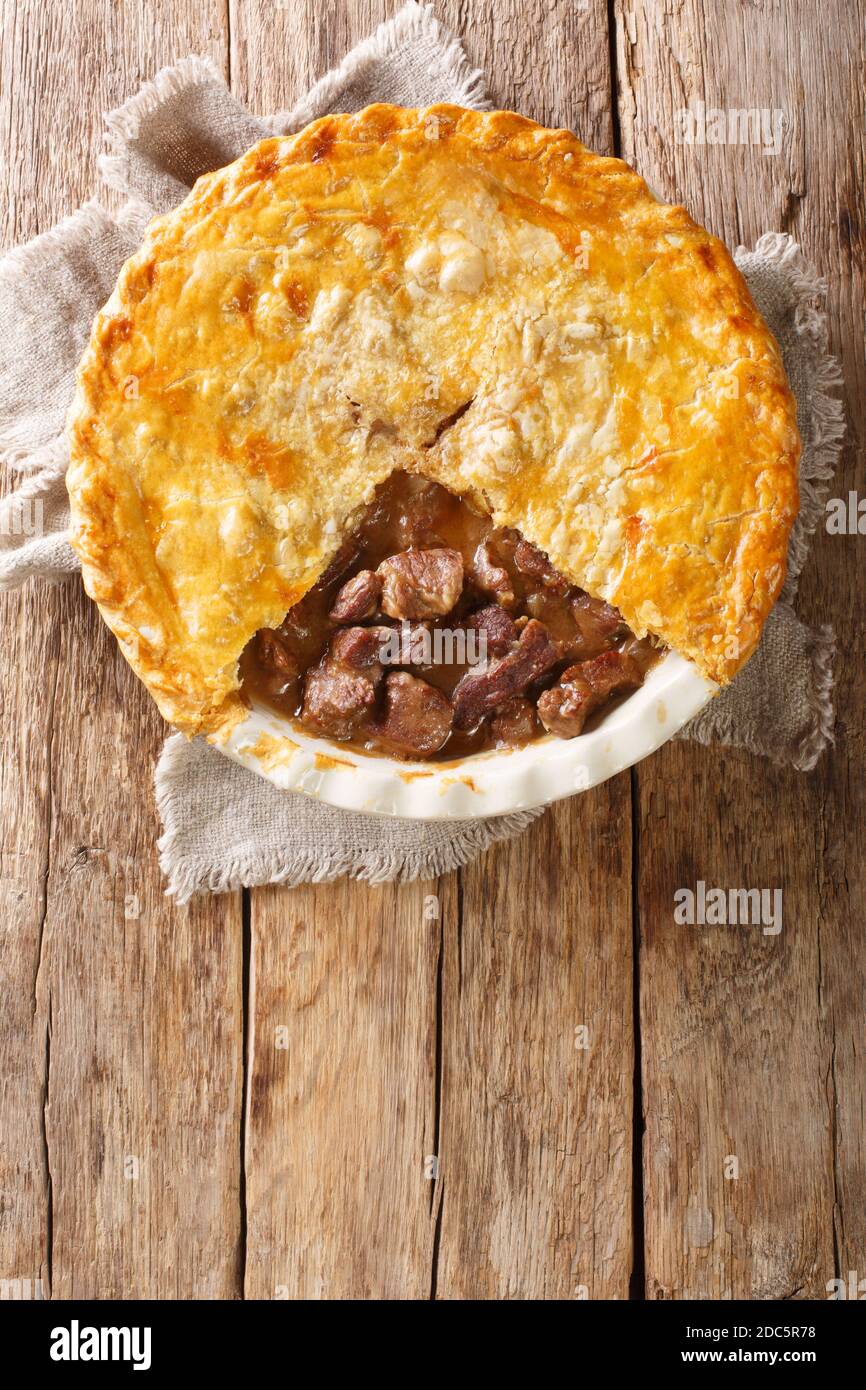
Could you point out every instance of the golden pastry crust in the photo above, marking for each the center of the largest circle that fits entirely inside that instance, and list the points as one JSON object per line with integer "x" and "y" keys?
{"x": 314, "y": 315}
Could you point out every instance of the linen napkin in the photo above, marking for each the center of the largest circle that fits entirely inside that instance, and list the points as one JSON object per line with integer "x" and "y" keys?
{"x": 223, "y": 826}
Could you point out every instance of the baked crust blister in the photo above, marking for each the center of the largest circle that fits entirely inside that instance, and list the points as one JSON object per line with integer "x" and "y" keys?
{"x": 464, "y": 294}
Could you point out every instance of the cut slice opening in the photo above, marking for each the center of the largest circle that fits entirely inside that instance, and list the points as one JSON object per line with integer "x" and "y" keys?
{"x": 434, "y": 634}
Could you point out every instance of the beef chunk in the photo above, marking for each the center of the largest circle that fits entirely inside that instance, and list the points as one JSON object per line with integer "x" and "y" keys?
{"x": 489, "y": 577}
{"x": 596, "y": 627}
{"x": 421, "y": 583}
{"x": 515, "y": 723}
{"x": 535, "y": 565}
{"x": 421, "y": 515}
{"x": 496, "y": 625}
{"x": 599, "y": 623}
{"x": 611, "y": 672}
{"x": 359, "y": 647}
{"x": 417, "y": 719}
{"x": 563, "y": 710}
{"x": 411, "y": 644}
{"x": 340, "y": 693}
{"x": 359, "y": 598}
{"x": 337, "y": 698}
{"x": 481, "y": 692}
{"x": 273, "y": 653}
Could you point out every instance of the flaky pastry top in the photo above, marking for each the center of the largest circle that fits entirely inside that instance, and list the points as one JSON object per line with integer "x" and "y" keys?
{"x": 466, "y": 295}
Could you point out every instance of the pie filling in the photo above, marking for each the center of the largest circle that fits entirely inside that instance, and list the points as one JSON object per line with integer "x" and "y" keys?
{"x": 434, "y": 634}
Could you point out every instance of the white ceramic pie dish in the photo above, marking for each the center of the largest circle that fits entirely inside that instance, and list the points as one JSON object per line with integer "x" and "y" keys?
{"x": 493, "y": 783}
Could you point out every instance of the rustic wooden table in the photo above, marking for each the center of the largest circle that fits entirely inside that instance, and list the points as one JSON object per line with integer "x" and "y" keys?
{"x": 242, "y": 1098}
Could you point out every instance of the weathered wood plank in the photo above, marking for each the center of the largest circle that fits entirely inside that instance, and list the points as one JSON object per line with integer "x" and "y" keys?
{"x": 24, "y": 781}
{"x": 341, "y": 1092}
{"x": 535, "y": 1157}
{"x": 121, "y": 1041}
{"x": 737, "y": 1030}
{"x": 829, "y": 218}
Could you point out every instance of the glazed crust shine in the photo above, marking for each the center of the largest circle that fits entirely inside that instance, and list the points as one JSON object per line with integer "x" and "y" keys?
{"x": 463, "y": 294}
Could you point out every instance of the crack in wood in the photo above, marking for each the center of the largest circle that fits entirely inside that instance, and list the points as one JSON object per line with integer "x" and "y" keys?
{"x": 637, "y": 1281}
{"x": 46, "y": 1078}
{"x": 437, "y": 1047}
{"x": 830, "y": 1078}
{"x": 437, "y": 1192}
{"x": 616, "y": 134}
{"x": 46, "y": 1150}
{"x": 833, "y": 1100}
{"x": 246, "y": 1026}
{"x": 437, "y": 1235}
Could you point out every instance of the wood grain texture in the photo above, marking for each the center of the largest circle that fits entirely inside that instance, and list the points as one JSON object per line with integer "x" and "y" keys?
{"x": 749, "y": 1041}
{"x": 830, "y": 220}
{"x": 119, "y": 1036}
{"x": 341, "y": 1107}
{"x": 536, "y": 1130}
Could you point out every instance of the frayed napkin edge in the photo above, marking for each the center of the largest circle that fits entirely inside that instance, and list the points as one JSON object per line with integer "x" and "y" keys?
{"x": 822, "y": 448}
{"x": 722, "y": 731}
{"x": 186, "y": 876}
{"x": 123, "y": 123}
{"x": 17, "y": 265}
